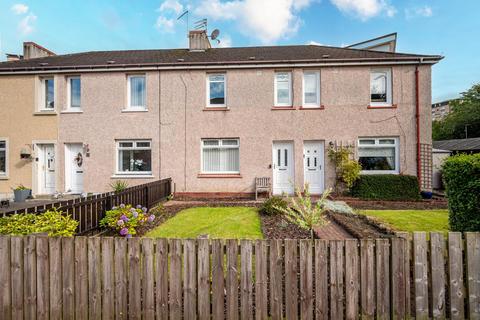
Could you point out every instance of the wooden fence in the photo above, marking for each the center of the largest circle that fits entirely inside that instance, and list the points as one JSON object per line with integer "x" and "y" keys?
{"x": 142, "y": 278}
{"x": 90, "y": 210}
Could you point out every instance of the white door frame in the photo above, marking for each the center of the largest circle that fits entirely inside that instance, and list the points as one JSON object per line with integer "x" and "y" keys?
{"x": 68, "y": 165}
{"x": 319, "y": 166}
{"x": 290, "y": 164}
{"x": 36, "y": 188}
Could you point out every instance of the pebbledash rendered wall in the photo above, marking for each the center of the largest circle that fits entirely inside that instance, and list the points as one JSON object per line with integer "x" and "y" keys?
{"x": 345, "y": 94}
{"x": 176, "y": 121}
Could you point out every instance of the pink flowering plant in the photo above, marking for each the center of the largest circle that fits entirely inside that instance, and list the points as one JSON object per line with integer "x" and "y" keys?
{"x": 126, "y": 219}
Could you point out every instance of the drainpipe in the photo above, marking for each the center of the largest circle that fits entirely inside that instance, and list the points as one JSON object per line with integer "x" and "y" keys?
{"x": 417, "y": 120}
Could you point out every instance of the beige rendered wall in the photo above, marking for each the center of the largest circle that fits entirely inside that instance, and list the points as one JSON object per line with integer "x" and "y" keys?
{"x": 344, "y": 93}
{"x": 21, "y": 126}
{"x": 103, "y": 97}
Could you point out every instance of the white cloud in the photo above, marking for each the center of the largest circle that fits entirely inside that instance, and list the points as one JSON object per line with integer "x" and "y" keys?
{"x": 268, "y": 20}
{"x": 25, "y": 26}
{"x": 424, "y": 11}
{"x": 164, "y": 24}
{"x": 171, "y": 5}
{"x": 19, "y": 8}
{"x": 225, "y": 41}
{"x": 365, "y": 9}
{"x": 314, "y": 43}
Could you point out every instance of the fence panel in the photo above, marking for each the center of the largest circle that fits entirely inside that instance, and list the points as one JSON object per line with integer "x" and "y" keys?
{"x": 116, "y": 278}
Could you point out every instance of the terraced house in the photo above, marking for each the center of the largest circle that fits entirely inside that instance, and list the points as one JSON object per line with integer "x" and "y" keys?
{"x": 212, "y": 119}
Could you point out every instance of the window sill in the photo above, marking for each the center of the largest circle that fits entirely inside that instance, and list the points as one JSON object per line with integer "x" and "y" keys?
{"x": 45, "y": 113}
{"x": 373, "y": 172}
{"x": 283, "y": 108}
{"x": 386, "y": 106}
{"x": 132, "y": 176}
{"x": 134, "y": 110}
{"x": 321, "y": 107}
{"x": 216, "y": 109}
{"x": 219, "y": 175}
{"x": 4, "y": 177}
{"x": 71, "y": 111}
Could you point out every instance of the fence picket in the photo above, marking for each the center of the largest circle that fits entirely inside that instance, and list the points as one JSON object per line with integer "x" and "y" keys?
{"x": 81, "y": 278}
{"x": 455, "y": 271}
{"x": 190, "y": 280}
{"x": 321, "y": 279}
{"x": 5, "y": 280}
{"x": 306, "y": 279}
{"x": 161, "y": 278}
{"x": 420, "y": 274}
{"x": 175, "y": 279}
{"x": 148, "y": 297}
{"x": 55, "y": 278}
{"x": 108, "y": 282}
{"x": 94, "y": 278}
{"x": 261, "y": 298}
{"x": 382, "y": 279}
{"x": 43, "y": 279}
{"x": 473, "y": 274}
{"x": 68, "y": 278}
{"x": 30, "y": 278}
{"x": 398, "y": 278}
{"x": 276, "y": 299}
{"x": 336, "y": 279}
{"x": 437, "y": 261}
{"x": 218, "y": 287}
{"x": 120, "y": 278}
{"x": 246, "y": 311}
{"x": 203, "y": 274}
{"x": 367, "y": 278}
{"x": 291, "y": 279}
{"x": 232, "y": 279}
{"x": 352, "y": 278}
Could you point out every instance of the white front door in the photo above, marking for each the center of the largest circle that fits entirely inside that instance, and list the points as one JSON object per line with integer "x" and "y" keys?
{"x": 46, "y": 168}
{"x": 74, "y": 167}
{"x": 313, "y": 160}
{"x": 283, "y": 164}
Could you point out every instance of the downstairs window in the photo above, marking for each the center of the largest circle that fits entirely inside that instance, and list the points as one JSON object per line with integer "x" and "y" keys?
{"x": 220, "y": 156}
{"x": 378, "y": 155}
{"x": 134, "y": 157}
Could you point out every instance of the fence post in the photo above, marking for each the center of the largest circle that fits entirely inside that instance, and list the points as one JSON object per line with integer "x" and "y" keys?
{"x": 147, "y": 189}
{"x": 108, "y": 202}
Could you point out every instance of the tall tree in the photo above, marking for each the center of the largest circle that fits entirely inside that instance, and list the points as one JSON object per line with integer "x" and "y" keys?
{"x": 464, "y": 116}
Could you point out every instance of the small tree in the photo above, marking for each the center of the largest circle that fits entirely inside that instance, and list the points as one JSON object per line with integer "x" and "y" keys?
{"x": 303, "y": 212}
{"x": 347, "y": 169}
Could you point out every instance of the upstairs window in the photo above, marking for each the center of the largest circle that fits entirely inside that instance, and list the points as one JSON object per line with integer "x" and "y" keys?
{"x": 3, "y": 157}
{"x": 134, "y": 157}
{"x": 47, "y": 94}
{"x": 74, "y": 92}
{"x": 283, "y": 89}
{"x": 220, "y": 156}
{"x": 136, "y": 92}
{"x": 378, "y": 155}
{"x": 216, "y": 96}
{"x": 381, "y": 87}
{"x": 311, "y": 89}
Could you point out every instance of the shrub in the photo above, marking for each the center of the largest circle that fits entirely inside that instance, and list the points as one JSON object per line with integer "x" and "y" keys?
{"x": 125, "y": 219}
{"x": 20, "y": 187}
{"x": 347, "y": 169}
{"x": 269, "y": 206}
{"x": 387, "y": 187}
{"x": 52, "y": 222}
{"x": 119, "y": 186}
{"x": 461, "y": 174}
{"x": 303, "y": 212}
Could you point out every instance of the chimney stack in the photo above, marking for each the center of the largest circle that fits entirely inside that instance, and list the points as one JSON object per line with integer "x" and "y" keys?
{"x": 198, "y": 40}
{"x": 32, "y": 50}
{"x": 13, "y": 57}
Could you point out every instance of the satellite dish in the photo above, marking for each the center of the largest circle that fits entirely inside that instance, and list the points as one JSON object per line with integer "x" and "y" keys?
{"x": 215, "y": 34}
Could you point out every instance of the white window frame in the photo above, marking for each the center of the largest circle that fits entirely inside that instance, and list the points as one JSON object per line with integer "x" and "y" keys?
{"x": 219, "y": 146}
{"x": 224, "y": 105}
{"x": 117, "y": 154}
{"x": 69, "y": 93}
{"x": 378, "y": 145}
{"x": 4, "y": 175}
{"x": 289, "y": 103}
{"x": 42, "y": 95}
{"x": 129, "y": 97}
{"x": 317, "y": 79}
{"x": 388, "y": 73}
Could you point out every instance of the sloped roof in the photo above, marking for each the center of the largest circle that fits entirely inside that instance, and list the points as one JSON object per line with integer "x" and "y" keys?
{"x": 214, "y": 56}
{"x": 458, "y": 144}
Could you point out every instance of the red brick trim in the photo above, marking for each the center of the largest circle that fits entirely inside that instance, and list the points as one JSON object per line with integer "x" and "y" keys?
{"x": 393, "y": 106}
{"x": 222, "y": 176}
{"x": 216, "y": 109}
{"x": 322, "y": 107}
{"x": 213, "y": 195}
{"x": 283, "y": 108}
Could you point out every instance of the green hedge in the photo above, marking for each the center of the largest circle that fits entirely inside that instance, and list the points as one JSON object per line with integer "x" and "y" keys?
{"x": 461, "y": 174}
{"x": 386, "y": 187}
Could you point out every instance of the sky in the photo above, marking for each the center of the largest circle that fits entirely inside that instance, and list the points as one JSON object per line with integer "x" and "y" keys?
{"x": 445, "y": 27}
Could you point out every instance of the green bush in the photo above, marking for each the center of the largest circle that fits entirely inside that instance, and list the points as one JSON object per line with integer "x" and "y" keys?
{"x": 269, "y": 206}
{"x": 461, "y": 174}
{"x": 386, "y": 187}
{"x": 52, "y": 222}
{"x": 126, "y": 219}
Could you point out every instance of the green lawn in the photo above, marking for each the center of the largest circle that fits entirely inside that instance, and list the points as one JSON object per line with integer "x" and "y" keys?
{"x": 412, "y": 220}
{"x": 221, "y": 222}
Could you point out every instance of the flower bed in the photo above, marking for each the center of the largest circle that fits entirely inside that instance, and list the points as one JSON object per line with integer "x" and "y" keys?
{"x": 125, "y": 219}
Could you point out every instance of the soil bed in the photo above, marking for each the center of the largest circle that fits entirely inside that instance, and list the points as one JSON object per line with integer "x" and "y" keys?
{"x": 275, "y": 227}
{"x": 357, "y": 203}
{"x": 358, "y": 226}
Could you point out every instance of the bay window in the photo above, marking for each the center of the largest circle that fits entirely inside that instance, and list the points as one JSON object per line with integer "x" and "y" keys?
{"x": 134, "y": 157}
{"x": 216, "y": 94}
{"x": 220, "y": 156}
{"x": 311, "y": 89}
{"x": 381, "y": 87}
{"x": 378, "y": 155}
{"x": 136, "y": 92}
{"x": 283, "y": 89}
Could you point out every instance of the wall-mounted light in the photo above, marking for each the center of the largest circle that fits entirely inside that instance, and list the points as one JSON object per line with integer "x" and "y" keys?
{"x": 26, "y": 153}
{"x": 86, "y": 149}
